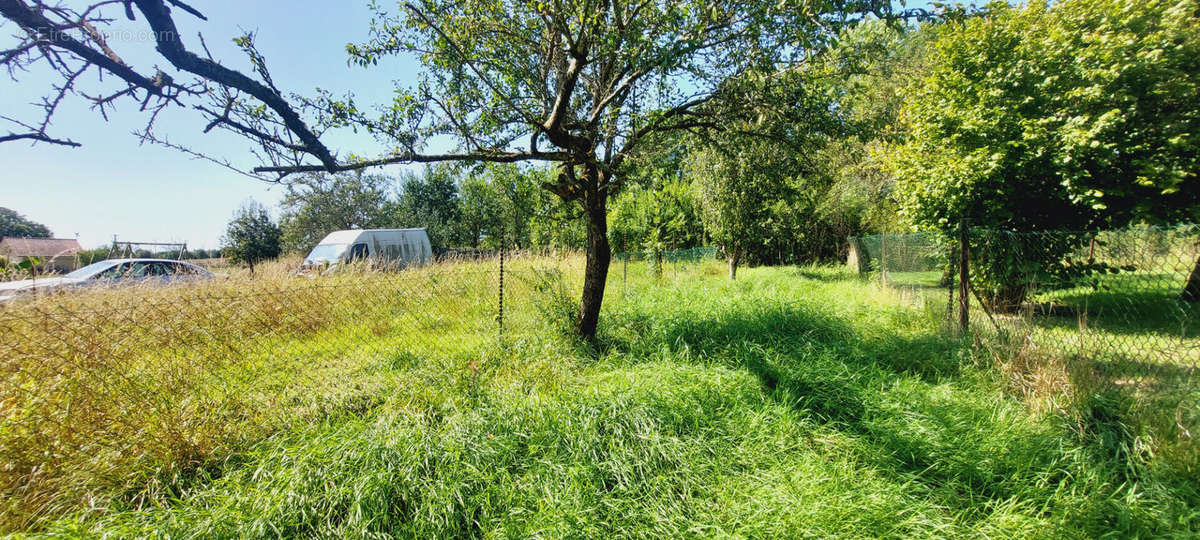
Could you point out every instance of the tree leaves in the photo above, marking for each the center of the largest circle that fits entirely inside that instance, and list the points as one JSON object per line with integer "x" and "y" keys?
{"x": 15, "y": 224}
{"x": 1077, "y": 115}
{"x": 251, "y": 236}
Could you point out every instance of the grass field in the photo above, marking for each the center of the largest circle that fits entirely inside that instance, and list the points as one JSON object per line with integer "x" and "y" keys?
{"x": 792, "y": 402}
{"x": 1129, "y": 331}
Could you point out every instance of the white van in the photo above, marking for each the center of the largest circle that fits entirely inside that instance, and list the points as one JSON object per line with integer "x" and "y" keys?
{"x": 402, "y": 247}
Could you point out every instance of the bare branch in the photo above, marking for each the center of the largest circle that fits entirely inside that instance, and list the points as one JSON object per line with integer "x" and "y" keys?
{"x": 48, "y": 32}
{"x": 169, "y": 45}
{"x": 224, "y": 120}
{"x": 35, "y": 134}
{"x": 38, "y": 137}
{"x": 148, "y": 136}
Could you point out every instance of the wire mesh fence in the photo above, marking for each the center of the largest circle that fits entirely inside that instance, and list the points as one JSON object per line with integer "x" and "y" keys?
{"x": 152, "y": 378}
{"x": 1114, "y": 310}
{"x": 664, "y": 262}
{"x": 115, "y": 388}
{"x": 158, "y": 379}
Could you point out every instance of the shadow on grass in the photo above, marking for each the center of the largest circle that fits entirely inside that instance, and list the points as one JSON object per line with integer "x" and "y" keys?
{"x": 825, "y": 274}
{"x": 905, "y": 396}
{"x": 1130, "y": 304}
{"x": 797, "y": 332}
{"x": 1127, "y": 371}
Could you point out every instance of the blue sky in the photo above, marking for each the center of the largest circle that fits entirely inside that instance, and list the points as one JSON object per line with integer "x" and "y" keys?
{"x": 113, "y": 186}
{"x": 149, "y": 193}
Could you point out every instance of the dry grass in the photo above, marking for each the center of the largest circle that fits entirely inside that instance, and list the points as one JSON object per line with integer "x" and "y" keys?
{"x": 791, "y": 402}
{"x": 108, "y": 391}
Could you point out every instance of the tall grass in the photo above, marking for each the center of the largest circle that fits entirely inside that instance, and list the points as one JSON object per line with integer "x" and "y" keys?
{"x": 124, "y": 392}
{"x": 791, "y": 402}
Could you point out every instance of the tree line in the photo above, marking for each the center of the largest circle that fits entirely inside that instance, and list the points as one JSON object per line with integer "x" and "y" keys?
{"x": 771, "y": 130}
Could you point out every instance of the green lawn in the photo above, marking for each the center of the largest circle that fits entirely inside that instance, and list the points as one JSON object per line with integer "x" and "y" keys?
{"x": 794, "y": 402}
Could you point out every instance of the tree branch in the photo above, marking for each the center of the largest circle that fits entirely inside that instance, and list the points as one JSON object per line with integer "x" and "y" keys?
{"x": 166, "y": 35}
{"x": 39, "y": 137}
{"x": 659, "y": 126}
{"x": 49, "y": 32}
{"x": 494, "y": 157}
{"x": 486, "y": 80}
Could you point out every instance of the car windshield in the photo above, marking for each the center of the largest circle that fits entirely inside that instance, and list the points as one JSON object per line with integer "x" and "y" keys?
{"x": 325, "y": 253}
{"x": 90, "y": 269}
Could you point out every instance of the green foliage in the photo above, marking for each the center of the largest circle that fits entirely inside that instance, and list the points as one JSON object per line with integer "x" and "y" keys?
{"x": 318, "y": 204}
{"x": 25, "y": 269}
{"x": 716, "y": 408}
{"x": 666, "y": 52}
{"x": 823, "y": 180}
{"x": 663, "y": 217}
{"x": 10, "y": 271}
{"x": 430, "y": 200}
{"x": 458, "y": 206}
{"x": 251, "y": 237}
{"x": 510, "y": 200}
{"x": 15, "y": 224}
{"x": 589, "y": 83}
{"x": 481, "y": 211}
{"x": 868, "y": 70}
{"x": 1065, "y": 116}
{"x": 526, "y": 205}
{"x": 658, "y": 208}
{"x": 557, "y": 225}
{"x": 738, "y": 191}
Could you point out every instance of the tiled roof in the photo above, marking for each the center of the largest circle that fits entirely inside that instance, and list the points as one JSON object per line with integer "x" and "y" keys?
{"x": 38, "y": 247}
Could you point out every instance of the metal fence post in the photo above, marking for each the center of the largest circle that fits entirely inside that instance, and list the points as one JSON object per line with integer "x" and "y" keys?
{"x": 500, "y": 319}
{"x": 883, "y": 258}
{"x": 952, "y": 270}
{"x": 624, "y": 273}
{"x": 964, "y": 277}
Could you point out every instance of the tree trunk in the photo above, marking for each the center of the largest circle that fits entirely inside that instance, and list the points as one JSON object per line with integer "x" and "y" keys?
{"x": 599, "y": 255}
{"x": 733, "y": 262}
{"x": 1191, "y": 291}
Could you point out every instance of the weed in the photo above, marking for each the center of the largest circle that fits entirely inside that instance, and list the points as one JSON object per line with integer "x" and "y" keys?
{"x": 790, "y": 403}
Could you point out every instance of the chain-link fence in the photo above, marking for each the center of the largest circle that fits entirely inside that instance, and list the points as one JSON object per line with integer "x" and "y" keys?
{"x": 901, "y": 260}
{"x": 1095, "y": 311}
{"x": 157, "y": 378}
{"x": 149, "y": 377}
{"x": 663, "y": 263}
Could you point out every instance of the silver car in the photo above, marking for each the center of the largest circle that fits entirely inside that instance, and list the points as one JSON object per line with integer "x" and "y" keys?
{"x": 110, "y": 272}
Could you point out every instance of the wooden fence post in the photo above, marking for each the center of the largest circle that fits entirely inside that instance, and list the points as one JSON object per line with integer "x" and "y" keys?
{"x": 964, "y": 277}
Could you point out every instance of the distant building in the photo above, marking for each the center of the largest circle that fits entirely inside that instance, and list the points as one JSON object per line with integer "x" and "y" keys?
{"x": 55, "y": 254}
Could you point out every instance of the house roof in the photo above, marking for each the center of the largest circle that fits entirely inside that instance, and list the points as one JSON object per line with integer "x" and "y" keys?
{"x": 38, "y": 247}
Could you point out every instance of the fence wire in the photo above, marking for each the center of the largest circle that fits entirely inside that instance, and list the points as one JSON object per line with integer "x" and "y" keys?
{"x": 1116, "y": 310}
{"x": 135, "y": 377}
{"x": 664, "y": 262}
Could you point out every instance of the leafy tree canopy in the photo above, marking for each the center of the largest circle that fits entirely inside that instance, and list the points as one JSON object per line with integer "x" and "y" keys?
{"x": 251, "y": 236}
{"x": 737, "y": 189}
{"x": 430, "y": 200}
{"x": 581, "y": 85}
{"x": 15, "y": 224}
{"x": 1079, "y": 114}
{"x": 317, "y": 204}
